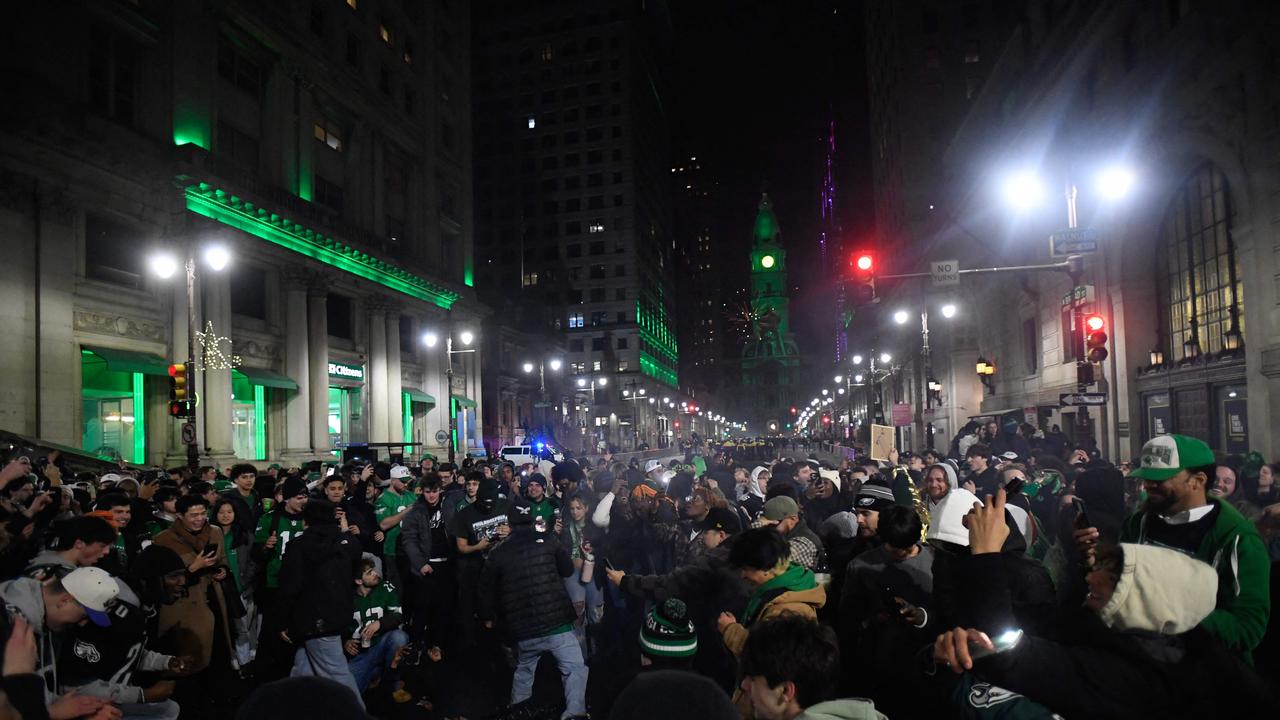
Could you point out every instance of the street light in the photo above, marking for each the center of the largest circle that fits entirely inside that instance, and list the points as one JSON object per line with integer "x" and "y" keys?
{"x": 901, "y": 317}
{"x": 885, "y": 358}
{"x": 839, "y": 379}
{"x": 431, "y": 339}
{"x": 528, "y": 367}
{"x": 1022, "y": 190}
{"x": 948, "y": 311}
{"x": 1115, "y": 182}
{"x": 165, "y": 265}
{"x": 466, "y": 337}
{"x": 857, "y": 359}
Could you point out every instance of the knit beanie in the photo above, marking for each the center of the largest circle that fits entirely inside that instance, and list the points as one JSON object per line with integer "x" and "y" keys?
{"x": 668, "y": 632}
{"x": 672, "y": 695}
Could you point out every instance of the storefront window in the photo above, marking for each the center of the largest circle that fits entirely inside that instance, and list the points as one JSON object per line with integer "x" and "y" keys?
{"x": 113, "y": 411}
{"x": 248, "y": 418}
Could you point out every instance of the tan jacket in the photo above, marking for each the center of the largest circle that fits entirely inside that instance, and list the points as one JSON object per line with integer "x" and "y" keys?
{"x": 186, "y": 627}
{"x": 804, "y": 603}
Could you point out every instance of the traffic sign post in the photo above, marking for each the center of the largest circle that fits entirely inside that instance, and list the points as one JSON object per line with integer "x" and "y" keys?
{"x": 188, "y": 433}
{"x": 1082, "y": 399}
{"x": 945, "y": 272}
{"x": 1073, "y": 241}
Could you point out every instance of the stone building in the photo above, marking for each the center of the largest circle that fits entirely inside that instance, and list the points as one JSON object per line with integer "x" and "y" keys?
{"x": 323, "y": 147}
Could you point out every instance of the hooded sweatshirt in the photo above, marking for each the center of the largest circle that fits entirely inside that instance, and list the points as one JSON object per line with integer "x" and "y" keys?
{"x": 946, "y": 516}
{"x": 1159, "y": 591}
{"x": 24, "y": 597}
{"x": 843, "y": 709}
{"x": 795, "y": 591}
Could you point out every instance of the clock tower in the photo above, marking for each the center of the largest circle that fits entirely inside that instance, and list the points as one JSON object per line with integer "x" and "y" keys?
{"x": 770, "y": 358}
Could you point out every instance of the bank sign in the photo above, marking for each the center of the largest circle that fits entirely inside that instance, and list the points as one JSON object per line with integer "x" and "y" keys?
{"x": 349, "y": 372}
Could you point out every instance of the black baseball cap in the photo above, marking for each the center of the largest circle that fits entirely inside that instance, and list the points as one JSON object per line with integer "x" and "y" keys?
{"x": 722, "y": 519}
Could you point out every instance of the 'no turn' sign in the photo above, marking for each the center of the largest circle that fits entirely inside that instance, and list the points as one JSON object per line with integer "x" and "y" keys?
{"x": 945, "y": 272}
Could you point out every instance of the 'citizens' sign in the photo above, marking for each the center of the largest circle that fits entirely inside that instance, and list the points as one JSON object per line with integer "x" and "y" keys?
{"x": 342, "y": 370}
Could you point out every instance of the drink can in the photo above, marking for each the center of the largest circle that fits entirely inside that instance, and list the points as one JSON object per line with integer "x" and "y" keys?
{"x": 267, "y": 503}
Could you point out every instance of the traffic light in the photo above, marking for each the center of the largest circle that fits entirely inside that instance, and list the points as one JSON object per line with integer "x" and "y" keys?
{"x": 793, "y": 410}
{"x": 1096, "y": 341}
{"x": 677, "y": 424}
{"x": 178, "y": 393}
{"x": 864, "y": 278}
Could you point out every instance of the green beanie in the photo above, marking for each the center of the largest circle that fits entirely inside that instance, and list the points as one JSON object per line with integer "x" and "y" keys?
{"x": 668, "y": 632}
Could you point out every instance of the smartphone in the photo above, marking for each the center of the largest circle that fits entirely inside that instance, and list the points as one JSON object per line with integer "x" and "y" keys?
{"x": 609, "y": 565}
{"x": 210, "y": 551}
{"x": 1014, "y": 487}
{"x": 1003, "y": 642}
{"x": 1082, "y": 516}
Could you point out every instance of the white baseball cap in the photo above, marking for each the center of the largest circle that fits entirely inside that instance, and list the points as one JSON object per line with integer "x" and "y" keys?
{"x": 93, "y": 588}
{"x": 109, "y": 478}
{"x": 400, "y": 471}
{"x": 652, "y": 465}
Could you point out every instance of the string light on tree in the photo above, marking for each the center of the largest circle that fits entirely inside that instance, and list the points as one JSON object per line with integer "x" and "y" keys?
{"x": 211, "y": 356}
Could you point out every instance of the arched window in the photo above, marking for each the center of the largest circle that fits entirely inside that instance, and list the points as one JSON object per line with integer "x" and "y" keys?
{"x": 1200, "y": 288}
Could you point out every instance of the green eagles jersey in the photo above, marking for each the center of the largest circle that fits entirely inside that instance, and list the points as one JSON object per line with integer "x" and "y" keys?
{"x": 286, "y": 527}
{"x": 389, "y": 503}
{"x": 380, "y": 603}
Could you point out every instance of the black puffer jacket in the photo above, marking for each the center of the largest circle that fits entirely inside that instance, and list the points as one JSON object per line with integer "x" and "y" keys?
{"x": 522, "y": 585}
{"x": 316, "y": 582}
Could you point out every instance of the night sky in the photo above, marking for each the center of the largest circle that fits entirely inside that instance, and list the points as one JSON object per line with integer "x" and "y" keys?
{"x": 756, "y": 82}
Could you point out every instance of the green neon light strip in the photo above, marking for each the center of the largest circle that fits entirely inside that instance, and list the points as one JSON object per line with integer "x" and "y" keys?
{"x": 227, "y": 209}
{"x": 453, "y": 414}
{"x": 406, "y": 417}
{"x": 139, "y": 421}
{"x": 653, "y": 368}
{"x": 260, "y": 422}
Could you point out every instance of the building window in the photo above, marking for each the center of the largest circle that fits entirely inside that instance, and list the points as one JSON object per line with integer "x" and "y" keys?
{"x": 328, "y": 132}
{"x": 597, "y": 272}
{"x": 577, "y": 368}
{"x": 622, "y": 343}
{"x": 328, "y": 193}
{"x": 339, "y": 314}
{"x": 384, "y": 32}
{"x": 1200, "y": 285}
{"x": 623, "y": 366}
{"x": 597, "y": 344}
{"x": 111, "y": 252}
{"x": 575, "y": 320}
{"x": 597, "y": 295}
{"x": 599, "y": 317}
{"x": 529, "y": 279}
{"x": 238, "y": 70}
{"x": 112, "y": 67}
{"x": 619, "y": 270}
{"x": 532, "y": 122}
{"x": 575, "y": 345}
{"x": 596, "y": 367}
{"x": 249, "y": 292}
{"x": 596, "y": 226}
{"x": 240, "y": 147}
{"x": 620, "y": 294}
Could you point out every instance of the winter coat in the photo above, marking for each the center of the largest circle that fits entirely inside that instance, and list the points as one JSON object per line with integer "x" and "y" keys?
{"x": 522, "y": 585}
{"x": 187, "y": 625}
{"x": 1235, "y": 550}
{"x": 843, "y": 709}
{"x": 24, "y": 597}
{"x": 795, "y": 591}
{"x": 1142, "y": 655}
{"x": 1032, "y": 596}
{"x": 317, "y": 587}
{"x": 415, "y": 534}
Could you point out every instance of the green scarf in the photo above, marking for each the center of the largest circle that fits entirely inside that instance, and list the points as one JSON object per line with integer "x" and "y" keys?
{"x": 795, "y": 578}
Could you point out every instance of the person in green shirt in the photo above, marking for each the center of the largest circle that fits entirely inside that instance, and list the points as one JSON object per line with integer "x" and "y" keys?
{"x": 541, "y": 505}
{"x": 375, "y": 636}
{"x": 391, "y": 507}
{"x": 274, "y": 531}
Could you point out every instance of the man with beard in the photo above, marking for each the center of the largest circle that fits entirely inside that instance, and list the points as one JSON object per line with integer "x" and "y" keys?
{"x": 1177, "y": 472}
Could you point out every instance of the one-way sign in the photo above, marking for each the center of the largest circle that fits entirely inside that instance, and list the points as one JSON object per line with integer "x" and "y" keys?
{"x": 1076, "y": 399}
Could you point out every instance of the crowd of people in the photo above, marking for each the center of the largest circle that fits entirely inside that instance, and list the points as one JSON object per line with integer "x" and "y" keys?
{"x": 1006, "y": 576}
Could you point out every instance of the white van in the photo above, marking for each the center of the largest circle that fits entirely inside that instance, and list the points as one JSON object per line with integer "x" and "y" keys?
{"x": 520, "y": 454}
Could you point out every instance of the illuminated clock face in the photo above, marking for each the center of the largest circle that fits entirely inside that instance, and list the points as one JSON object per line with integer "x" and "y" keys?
{"x": 767, "y": 261}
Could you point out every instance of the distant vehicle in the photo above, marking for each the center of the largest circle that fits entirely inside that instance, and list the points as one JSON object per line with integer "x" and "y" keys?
{"x": 520, "y": 454}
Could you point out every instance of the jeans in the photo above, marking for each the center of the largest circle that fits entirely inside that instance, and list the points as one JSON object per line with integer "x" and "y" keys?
{"x": 568, "y": 654}
{"x": 323, "y": 657}
{"x": 372, "y": 661}
{"x": 163, "y": 710}
{"x": 589, "y": 596}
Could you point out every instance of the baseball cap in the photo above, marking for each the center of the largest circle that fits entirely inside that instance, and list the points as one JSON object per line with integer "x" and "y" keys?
{"x": 399, "y": 472}
{"x": 874, "y": 497}
{"x": 93, "y": 588}
{"x": 1167, "y": 455}
{"x": 1010, "y": 455}
{"x": 652, "y": 465}
{"x": 780, "y": 508}
{"x": 722, "y": 519}
{"x": 109, "y": 478}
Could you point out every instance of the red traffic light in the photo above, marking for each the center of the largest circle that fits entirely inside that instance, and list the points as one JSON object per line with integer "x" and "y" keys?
{"x": 864, "y": 262}
{"x": 1096, "y": 341}
{"x": 1093, "y": 323}
{"x": 793, "y": 411}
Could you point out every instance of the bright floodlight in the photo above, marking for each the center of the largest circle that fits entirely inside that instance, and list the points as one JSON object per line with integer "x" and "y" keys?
{"x": 824, "y": 391}
{"x": 839, "y": 378}
{"x": 164, "y": 265}
{"x": 1022, "y": 191}
{"x": 217, "y": 257}
{"x": 430, "y": 339}
{"x": 555, "y": 365}
{"x": 857, "y": 378}
{"x": 948, "y": 310}
{"x": 1115, "y": 182}
{"x": 528, "y": 367}
{"x": 857, "y": 359}
{"x": 901, "y": 317}
{"x": 603, "y": 381}
{"x": 840, "y": 391}
{"x": 885, "y": 357}
{"x": 582, "y": 382}
{"x": 466, "y": 337}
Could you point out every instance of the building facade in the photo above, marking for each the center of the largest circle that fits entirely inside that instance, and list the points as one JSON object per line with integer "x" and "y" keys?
{"x": 573, "y": 210}
{"x": 1184, "y": 274}
{"x": 321, "y": 148}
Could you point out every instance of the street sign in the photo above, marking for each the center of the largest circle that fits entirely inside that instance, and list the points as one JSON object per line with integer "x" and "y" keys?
{"x": 188, "y": 433}
{"x": 902, "y": 414}
{"x": 442, "y": 437}
{"x": 1073, "y": 241}
{"x": 1081, "y": 295}
{"x": 1079, "y": 399}
{"x": 945, "y": 272}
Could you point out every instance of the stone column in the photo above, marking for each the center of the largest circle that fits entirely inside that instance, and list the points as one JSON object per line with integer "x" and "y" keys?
{"x": 217, "y": 381}
{"x": 395, "y": 385}
{"x": 377, "y": 370}
{"x": 318, "y": 363}
{"x": 297, "y": 367}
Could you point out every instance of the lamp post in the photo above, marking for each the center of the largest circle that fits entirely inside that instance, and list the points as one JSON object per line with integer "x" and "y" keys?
{"x": 927, "y": 382}
{"x": 638, "y": 395}
{"x": 164, "y": 265}
{"x": 591, "y": 382}
{"x": 466, "y": 337}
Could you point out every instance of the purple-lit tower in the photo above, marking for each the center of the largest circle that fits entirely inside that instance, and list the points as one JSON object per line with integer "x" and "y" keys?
{"x": 829, "y": 239}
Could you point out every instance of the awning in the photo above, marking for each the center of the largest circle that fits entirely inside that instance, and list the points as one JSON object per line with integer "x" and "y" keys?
{"x": 268, "y": 378}
{"x": 464, "y": 402}
{"x": 419, "y": 397}
{"x": 130, "y": 361}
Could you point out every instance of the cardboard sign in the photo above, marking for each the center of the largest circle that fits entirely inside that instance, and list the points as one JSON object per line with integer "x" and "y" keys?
{"x": 881, "y": 442}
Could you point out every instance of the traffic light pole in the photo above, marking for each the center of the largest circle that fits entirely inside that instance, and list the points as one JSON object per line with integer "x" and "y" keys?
{"x": 193, "y": 447}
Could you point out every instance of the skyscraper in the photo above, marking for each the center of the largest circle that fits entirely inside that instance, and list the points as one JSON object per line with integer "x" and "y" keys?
{"x": 573, "y": 211}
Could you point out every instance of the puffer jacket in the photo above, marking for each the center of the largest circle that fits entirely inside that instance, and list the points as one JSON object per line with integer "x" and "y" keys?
{"x": 316, "y": 582}
{"x": 522, "y": 585}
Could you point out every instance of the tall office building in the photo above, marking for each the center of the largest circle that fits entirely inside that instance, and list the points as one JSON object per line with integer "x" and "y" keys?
{"x": 573, "y": 209}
